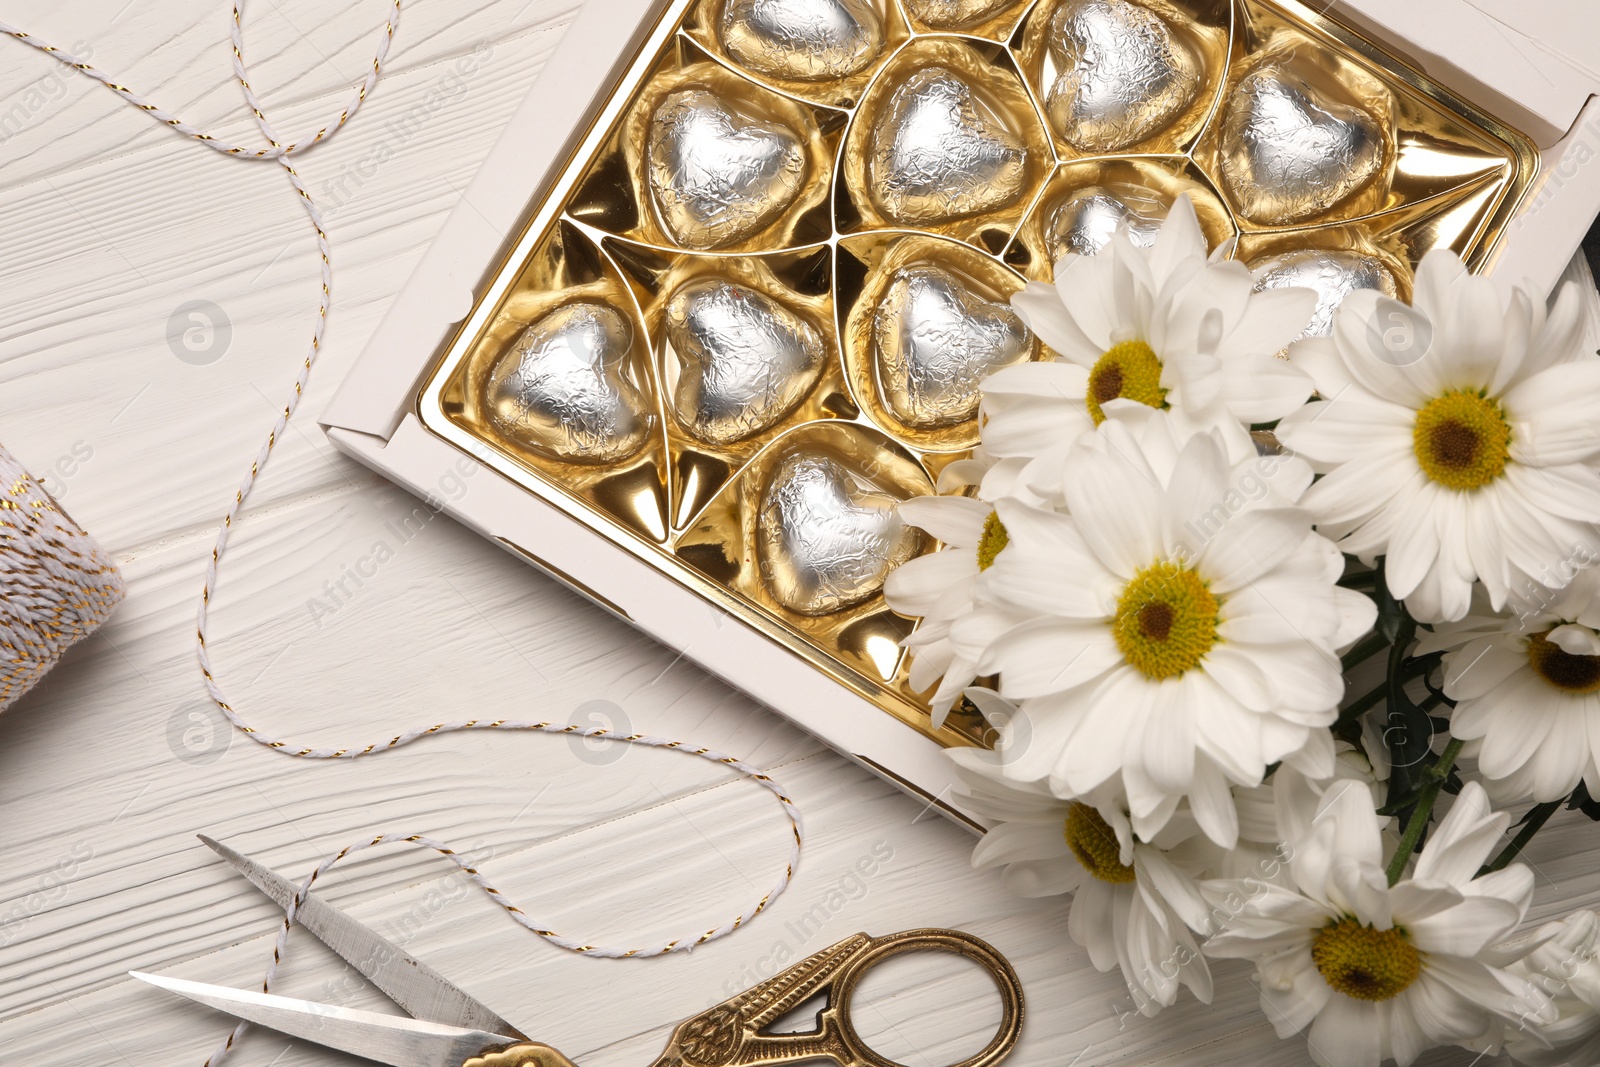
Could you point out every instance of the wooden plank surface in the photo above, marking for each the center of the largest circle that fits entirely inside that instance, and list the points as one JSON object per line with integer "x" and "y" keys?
{"x": 116, "y": 761}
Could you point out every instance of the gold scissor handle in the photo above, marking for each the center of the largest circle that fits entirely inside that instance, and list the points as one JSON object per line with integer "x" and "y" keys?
{"x": 732, "y": 1034}
{"x": 521, "y": 1054}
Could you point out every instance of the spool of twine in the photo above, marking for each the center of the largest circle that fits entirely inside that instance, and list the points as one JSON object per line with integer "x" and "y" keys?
{"x": 56, "y": 584}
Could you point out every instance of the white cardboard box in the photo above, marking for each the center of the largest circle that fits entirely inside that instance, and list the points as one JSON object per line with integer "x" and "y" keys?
{"x": 1533, "y": 66}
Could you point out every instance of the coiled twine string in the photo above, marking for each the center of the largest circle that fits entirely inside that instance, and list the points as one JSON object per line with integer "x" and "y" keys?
{"x": 280, "y": 151}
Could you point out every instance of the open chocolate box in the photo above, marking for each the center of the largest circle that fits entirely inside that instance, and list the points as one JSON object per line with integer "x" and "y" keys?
{"x": 735, "y": 276}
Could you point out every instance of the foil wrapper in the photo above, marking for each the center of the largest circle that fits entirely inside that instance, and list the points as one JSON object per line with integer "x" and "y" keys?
{"x": 827, "y": 535}
{"x": 1289, "y": 153}
{"x": 744, "y": 359}
{"x": 1083, "y": 221}
{"x": 718, "y": 176}
{"x": 955, "y": 14}
{"x": 802, "y": 40}
{"x": 562, "y": 389}
{"x": 936, "y": 340}
{"x": 938, "y": 153}
{"x": 1332, "y": 274}
{"x": 1122, "y": 75}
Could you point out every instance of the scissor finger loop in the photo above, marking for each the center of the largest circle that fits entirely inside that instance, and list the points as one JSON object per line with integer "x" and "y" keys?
{"x": 732, "y": 1034}
{"x": 972, "y": 948}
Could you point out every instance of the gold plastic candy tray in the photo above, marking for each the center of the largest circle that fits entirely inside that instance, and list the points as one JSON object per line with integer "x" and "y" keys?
{"x": 709, "y": 367}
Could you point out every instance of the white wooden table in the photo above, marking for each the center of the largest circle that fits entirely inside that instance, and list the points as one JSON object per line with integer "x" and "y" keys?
{"x": 108, "y": 224}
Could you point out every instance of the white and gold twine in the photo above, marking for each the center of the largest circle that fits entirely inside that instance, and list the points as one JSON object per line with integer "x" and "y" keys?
{"x": 281, "y": 152}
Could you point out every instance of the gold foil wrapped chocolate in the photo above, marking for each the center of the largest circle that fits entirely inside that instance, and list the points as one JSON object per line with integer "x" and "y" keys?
{"x": 1332, "y": 274}
{"x": 935, "y": 342}
{"x": 743, "y": 360}
{"x": 718, "y": 176}
{"x": 938, "y": 152}
{"x": 563, "y": 391}
{"x": 828, "y": 536}
{"x": 1289, "y": 153}
{"x": 802, "y": 40}
{"x": 1122, "y": 74}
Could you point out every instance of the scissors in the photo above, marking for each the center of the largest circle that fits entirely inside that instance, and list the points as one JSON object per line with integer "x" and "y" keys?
{"x": 448, "y": 1028}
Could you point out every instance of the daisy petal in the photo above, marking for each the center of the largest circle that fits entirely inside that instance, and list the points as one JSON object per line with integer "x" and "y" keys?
{"x": 1041, "y": 308}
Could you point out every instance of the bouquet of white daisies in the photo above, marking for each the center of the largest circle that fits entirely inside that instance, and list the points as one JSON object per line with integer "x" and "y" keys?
{"x": 1244, "y": 605}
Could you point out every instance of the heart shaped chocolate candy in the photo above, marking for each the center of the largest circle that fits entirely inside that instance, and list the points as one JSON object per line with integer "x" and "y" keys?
{"x": 562, "y": 389}
{"x": 744, "y": 359}
{"x": 1289, "y": 154}
{"x": 955, "y": 14}
{"x": 1084, "y": 220}
{"x": 718, "y": 176}
{"x": 828, "y": 536}
{"x": 938, "y": 153}
{"x": 1122, "y": 74}
{"x": 935, "y": 340}
{"x": 802, "y": 40}
{"x": 1332, "y": 274}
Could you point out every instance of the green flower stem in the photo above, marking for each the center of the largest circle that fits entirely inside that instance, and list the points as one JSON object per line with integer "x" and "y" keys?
{"x": 1362, "y": 704}
{"x": 1360, "y": 580}
{"x": 1368, "y": 647}
{"x": 1532, "y": 824}
{"x": 1397, "y": 659}
{"x": 1433, "y": 780}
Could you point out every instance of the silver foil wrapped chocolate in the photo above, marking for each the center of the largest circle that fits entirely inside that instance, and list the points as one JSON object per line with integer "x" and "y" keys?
{"x": 562, "y": 390}
{"x": 1289, "y": 153}
{"x": 1122, "y": 76}
{"x": 718, "y": 176}
{"x": 938, "y": 153}
{"x": 827, "y": 535}
{"x": 1084, "y": 220}
{"x": 955, "y": 14}
{"x": 1332, "y": 274}
{"x": 802, "y": 40}
{"x": 744, "y": 359}
{"x": 935, "y": 341}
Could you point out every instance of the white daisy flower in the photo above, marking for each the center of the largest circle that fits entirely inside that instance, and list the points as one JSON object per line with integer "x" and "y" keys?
{"x": 1474, "y": 459}
{"x": 1526, "y": 681}
{"x": 1377, "y": 971}
{"x": 1565, "y": 966}
{"x": 1133, "y": 903}
{"x": 1164, "y": 326}
{"x": 1182, "y": 633}
{"x": 1267, "y": 815}
{"x": 938, "y": 587}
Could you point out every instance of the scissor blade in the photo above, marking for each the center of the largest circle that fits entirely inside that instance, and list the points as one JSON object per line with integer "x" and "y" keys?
{"x": 391, "y": 1039}
{"x": 410, "y": 983}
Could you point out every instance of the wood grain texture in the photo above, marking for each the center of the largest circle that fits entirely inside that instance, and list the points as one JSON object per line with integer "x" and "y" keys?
{"x": 111, "y": 766}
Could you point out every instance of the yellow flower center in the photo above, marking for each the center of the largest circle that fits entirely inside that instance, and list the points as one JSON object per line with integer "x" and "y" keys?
{"x": 1562, "y": 669}
{"x": 1365, "y": 963}
{"x": 1166, "y": 620}
{"x": 993, "y": 540}
{"x": 1462, "y": 439}
{"x": 1129, "y": 370}
{"x": 1094, "y": 843}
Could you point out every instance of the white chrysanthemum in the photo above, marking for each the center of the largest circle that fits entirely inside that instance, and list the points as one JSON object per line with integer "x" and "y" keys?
{"x": 1377, "y": 971}
{"x": 938, "y": 588}
{"x": 1164, "y": 326}
{"x": 1132, "y": 903}
{"x": 1184, "y": 630}
{"x": 1565, "y": 966}
{"x": 1526, "y": 682}
{"x": 1269, "y": 812}
{"x": 1475, "y": 459}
